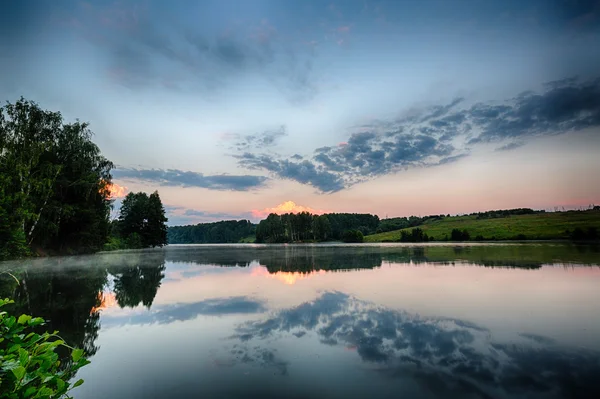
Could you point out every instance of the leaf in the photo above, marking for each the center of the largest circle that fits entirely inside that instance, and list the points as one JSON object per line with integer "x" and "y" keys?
{"x": 76, "y": 354}
{"x": 29, "y": 391}
{"x": 44, "y": 392}
{"x": 78, "y": 383}
{"x": 19, "y": 372}
{"x": 9, "y": 365}
{"x": 23, "y": 356}
{"x": 60, "y": 384}
{"x": 24, "y": 318}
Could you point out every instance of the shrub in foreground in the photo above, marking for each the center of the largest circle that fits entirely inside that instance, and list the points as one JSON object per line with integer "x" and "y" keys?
{"x": 29, "y": 364}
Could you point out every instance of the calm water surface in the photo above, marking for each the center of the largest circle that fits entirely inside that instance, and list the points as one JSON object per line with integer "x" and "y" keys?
{"x": 391, "y": 321}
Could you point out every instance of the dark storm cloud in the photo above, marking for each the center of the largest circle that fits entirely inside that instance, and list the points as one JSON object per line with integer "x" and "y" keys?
{"x": 440, "y": 135}
{"x": 456, "y": 356}
{"x": 261, "y": 140}
{"x": 175, "y": 177}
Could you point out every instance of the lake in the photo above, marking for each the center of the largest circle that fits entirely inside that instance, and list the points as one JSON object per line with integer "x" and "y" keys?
{"x": 325, "y": 321}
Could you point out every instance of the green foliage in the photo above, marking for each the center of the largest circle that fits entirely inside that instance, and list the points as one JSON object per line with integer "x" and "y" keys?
{"x": 29, "y": 362}
{"x": 353, "y": 236}
{"x": 415, "y": 235}
{"x": 142, "y": 221}
{"x": 113, "y": 244}
{"x": 580, "y": 234}
{"x": 536, "y": 226}
{"x": 53, "y": 184}
{"x": 227, "y": 231}
{"x": 303, "y": 226}
{"x": 459, "y": 235}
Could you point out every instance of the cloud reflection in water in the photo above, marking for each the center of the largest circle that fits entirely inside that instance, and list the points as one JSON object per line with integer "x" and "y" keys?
{"x": 450, "y": 357}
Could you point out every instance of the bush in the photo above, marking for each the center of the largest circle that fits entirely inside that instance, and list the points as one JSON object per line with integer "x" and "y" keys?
{"x": 415, "y": 235}
{"x": 134, "y": 241}
{"x": 113, "y": 244}
{"x": 352, "y": 236}
{"x": 459, "y": 235}
{"x": 579, "y": 234}
{"x": 29, "y": 364}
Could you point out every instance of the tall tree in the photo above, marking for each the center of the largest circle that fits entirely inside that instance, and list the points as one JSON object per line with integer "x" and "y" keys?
{"x": 133, "y": 218}
{"x": 156, "y": 229}
{"x": 53, "y": 183}
{"x": 142, "y": 220}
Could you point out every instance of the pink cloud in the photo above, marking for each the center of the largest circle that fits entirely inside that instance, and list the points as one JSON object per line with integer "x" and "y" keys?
{"x": 343, "y": 29}
{"x": 285, "y": 207}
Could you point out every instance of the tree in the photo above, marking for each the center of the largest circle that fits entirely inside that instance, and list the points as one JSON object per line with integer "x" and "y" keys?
{"x": 132, "y": 215}
{"x": 53, "y": 183}
{"x": 142, "y": 221}
{"x": 321, "y": 228}
{"x": 156, "y": 229}
{"x": 352, "y": 236}
{"x": 459, "y": 235}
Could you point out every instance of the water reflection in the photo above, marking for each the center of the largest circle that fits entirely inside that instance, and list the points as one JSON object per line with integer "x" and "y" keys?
{"x": 308, "y": 258}
{"x": 71, "y": 298}
{"x": 165, "y": 314}
{"x": 452, "y": 356}
{"x": 235, "y": 331}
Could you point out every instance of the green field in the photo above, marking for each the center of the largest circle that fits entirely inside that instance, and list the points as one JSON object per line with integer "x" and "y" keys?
{"x": 541, "y": 226}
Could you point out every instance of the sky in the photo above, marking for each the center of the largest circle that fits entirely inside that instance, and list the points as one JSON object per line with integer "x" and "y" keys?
{"x": 233, "y": 109}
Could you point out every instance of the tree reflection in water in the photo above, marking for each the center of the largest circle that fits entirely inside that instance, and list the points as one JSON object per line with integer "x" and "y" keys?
{"x": 70, "y": 298}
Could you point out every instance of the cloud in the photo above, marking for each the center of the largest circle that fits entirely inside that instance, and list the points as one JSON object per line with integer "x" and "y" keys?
{"x": 285, "y": 207}
{"x": 261, "y": 140}
{"x": 304, "y": 172}
{"x": 143, "y": 53}
{"x": 510, "y": 146}
{"x": 175, "y": 177}
{"x": 117, "y": 191}
{"x": 565, "y": 106}
{"x": 438, "y": 135}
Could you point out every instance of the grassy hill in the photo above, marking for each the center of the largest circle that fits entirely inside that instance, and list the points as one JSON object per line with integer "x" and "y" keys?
{"x": 540, "y": 226}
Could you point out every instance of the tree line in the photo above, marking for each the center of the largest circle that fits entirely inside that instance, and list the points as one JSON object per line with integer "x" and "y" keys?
{"x": 227, "y": 231}
{"x": 303, "y": 226}
{"x": 54, "y": 185}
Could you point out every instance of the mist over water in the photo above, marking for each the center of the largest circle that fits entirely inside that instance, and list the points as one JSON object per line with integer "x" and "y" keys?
{"x": 327, "y": 321}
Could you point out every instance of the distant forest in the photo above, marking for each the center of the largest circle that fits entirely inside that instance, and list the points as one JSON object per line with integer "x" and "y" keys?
{"x": 306, "y": 227}
{"x": 227, "y": 231}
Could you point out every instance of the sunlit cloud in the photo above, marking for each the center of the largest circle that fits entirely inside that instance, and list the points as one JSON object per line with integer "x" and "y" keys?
{"x": 285, "y": 207}
{"x": 117, "y": 191}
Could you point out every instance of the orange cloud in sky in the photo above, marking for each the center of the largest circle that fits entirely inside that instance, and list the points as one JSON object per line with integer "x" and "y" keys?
{"x": 117, "y": 191}
{"x": 285, "y": 207}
